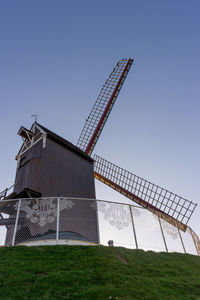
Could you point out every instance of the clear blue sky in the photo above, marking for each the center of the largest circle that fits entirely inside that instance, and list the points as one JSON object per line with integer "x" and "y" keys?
{"x": 55, "y": 56}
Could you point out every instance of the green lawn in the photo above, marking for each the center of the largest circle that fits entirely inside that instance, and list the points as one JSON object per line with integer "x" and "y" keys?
{"x": 96, "y": 272}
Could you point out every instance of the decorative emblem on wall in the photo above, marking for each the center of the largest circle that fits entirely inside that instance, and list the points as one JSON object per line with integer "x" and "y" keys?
{"x": 135, "y": 212}
{"x": 170, "y": 229}
{"x": 43, "y": 211}
{"x": 116, "y": 214}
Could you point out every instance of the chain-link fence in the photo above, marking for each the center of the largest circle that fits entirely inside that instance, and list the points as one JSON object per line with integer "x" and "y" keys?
{"x": 47, "y": 221}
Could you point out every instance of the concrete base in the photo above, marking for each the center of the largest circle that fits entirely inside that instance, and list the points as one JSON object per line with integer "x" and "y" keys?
{"x": 59, "y": 242}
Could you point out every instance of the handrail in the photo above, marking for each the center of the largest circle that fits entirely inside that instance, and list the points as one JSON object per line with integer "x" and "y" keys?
{"x": 4, "y": 192}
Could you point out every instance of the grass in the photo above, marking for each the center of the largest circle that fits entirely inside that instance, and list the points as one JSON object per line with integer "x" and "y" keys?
{"x": 96, "y": 272}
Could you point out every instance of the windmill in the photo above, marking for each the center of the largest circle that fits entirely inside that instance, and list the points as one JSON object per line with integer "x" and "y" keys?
{"x": 169, "y": 206}
{"x": 55, "y": 160}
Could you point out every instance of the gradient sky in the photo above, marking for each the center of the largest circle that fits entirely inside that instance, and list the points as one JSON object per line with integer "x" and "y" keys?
{"x": 56, "y": 55}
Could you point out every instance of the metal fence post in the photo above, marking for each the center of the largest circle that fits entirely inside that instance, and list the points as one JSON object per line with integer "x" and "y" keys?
{"x": 97, "y": 218}
{"x": 181, "y": 240}
{"x": 136, "y": 244}
{"x": 195, "y": 243}
{"x": 58, "y": 219}
{"x": 163, "y": 236}
{"x": 16, "y": 222}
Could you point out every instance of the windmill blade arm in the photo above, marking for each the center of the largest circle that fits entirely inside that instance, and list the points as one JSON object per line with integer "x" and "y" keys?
{"x": 169, "y": 206}
{"x": 103, "y": 106}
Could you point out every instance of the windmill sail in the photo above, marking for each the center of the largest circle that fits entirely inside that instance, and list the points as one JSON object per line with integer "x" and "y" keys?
{"x": 103, "y": 105}
{"x": 169, "y": 206}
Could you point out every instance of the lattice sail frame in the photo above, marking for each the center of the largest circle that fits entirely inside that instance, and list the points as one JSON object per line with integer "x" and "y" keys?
{"x": 171, "y": 207}
{"x": 103, "y": 105}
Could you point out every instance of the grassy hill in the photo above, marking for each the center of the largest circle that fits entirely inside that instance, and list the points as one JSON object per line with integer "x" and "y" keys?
{"x": 89, "y": 272}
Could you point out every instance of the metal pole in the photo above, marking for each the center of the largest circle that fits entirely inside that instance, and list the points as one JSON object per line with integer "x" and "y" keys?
{"x": 58, "y": 219}
{"x": 193, "y": 240}
{"x": 97, "y": 218}
{"x": 16, "y": 222}
{"x": 162, "y": 234}
{"x": 133, "y": 227}
{"x": 181, "y": 239}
